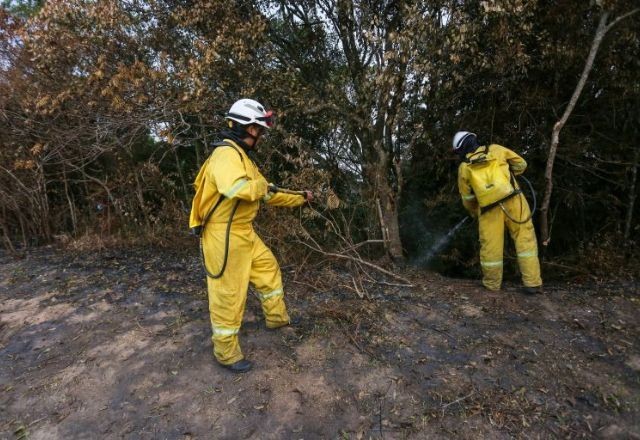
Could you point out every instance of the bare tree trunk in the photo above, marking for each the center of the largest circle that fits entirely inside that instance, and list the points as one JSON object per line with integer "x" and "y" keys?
{"x": 393, "y": 229}
{"x": 143, "y": 207}
{"x": 43, "y": 211}
{"x": 383, "y": 195}
{"x": 185, "y": 190}
{"x": 387, "y": 205}
{"x": 632, "y": 195}
{"x": 395, "y": 244}
{"x": 72, "y": 208}
{"x": 383, "y": 224}
{"x": 5, "y": 236}
{"x": 601, "y": 31}
{"x": 205, "y": 139}
{"x": 23, "y": 230}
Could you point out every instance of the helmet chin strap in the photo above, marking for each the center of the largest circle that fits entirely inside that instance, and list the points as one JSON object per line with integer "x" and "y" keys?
{"x": 239, "y": 136}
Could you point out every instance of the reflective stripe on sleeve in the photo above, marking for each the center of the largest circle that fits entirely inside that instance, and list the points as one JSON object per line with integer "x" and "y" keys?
{"x": 268, "y": 197}
{"x": 235, "y": 188}
{"x": 468, "y": 197}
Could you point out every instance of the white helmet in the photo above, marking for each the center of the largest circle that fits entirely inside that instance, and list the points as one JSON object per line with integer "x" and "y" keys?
{"x": 460, "y": 137}
{"x": 248, "y": 111}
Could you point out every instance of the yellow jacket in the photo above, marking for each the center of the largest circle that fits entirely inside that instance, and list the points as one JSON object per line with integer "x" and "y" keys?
{"x": 489, "y": 181}
{"x": 230, "y": 172}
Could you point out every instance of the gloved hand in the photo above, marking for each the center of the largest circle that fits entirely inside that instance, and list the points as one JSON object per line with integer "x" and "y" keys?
{"x": 196, "y": 231}
{"x": 308, "y": 195}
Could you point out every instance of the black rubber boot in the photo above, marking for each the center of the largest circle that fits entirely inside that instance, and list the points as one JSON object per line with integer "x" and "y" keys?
{"x": 293, "y": 322}
{"x": 242, "y": 366}
{"x": 532, "y": 290}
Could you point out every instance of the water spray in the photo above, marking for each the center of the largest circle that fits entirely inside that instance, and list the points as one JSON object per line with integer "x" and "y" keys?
{"x": 442, "y": 242}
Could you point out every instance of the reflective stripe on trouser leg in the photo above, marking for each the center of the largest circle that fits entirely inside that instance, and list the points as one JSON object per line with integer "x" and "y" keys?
{"x": 227, "y": 294}
{"x": 266, "y": 295}
{"x": 265, "y": 276}
{"x": 491, "y": 231}
{"x": 524, "y": 237}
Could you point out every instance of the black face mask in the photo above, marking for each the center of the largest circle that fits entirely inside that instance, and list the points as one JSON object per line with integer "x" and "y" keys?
{"x": 469, "y": 145}
{"x": 237, "y": 137}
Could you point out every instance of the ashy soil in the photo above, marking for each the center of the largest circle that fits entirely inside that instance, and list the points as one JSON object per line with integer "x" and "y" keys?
{"x": 116, "y": 344}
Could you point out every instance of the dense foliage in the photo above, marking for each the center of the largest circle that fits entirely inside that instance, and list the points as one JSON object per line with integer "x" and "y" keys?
{"x": 108, "y": 108}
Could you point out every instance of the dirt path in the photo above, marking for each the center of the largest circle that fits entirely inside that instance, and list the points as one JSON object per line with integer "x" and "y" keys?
{"x": 116, "y": 345}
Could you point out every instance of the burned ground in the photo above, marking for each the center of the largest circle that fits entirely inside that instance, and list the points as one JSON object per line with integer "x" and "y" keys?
{"x": 115, "y": 344}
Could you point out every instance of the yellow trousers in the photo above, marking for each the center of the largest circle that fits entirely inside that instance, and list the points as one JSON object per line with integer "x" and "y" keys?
{"x": 249, "y": 261}
{"x": 491, "y": 227}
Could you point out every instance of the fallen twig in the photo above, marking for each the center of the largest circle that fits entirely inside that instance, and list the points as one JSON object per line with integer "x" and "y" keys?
{"x": 144, "y": 330}
{"x": 307, "y": 284}
{"x": 575, "y": 269}
{"x": 356, "y": 246}
{"x": 393, "y": 284}
{"x": 358, "y": 260}
{"x": 355, "y": 285}
{"x": 457, "y": 401}
{"x": 441, "y": 332}
{"x": 351, "y": 248}
{"x": 346, "y": 331}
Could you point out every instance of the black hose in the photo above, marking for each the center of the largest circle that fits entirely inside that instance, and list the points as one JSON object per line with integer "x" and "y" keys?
{"x": 534, "y": 204}
{"x": 276, "y": 189}
{"x": 226, "y": 240}
{"x": 232, "y": 136}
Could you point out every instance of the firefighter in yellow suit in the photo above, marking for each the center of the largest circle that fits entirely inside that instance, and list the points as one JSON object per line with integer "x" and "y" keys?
{"x": 229, "y": 189}
{"x": 490, "y": 193}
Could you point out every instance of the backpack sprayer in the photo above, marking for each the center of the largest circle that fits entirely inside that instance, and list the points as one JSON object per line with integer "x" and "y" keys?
{"x": 508, "y": 188}
{"x": 515, "y": 192}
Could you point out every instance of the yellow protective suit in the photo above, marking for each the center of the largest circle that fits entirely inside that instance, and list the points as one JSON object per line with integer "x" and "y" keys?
{"x": 475, "y": 180}
{"x": 230, "y": 172}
